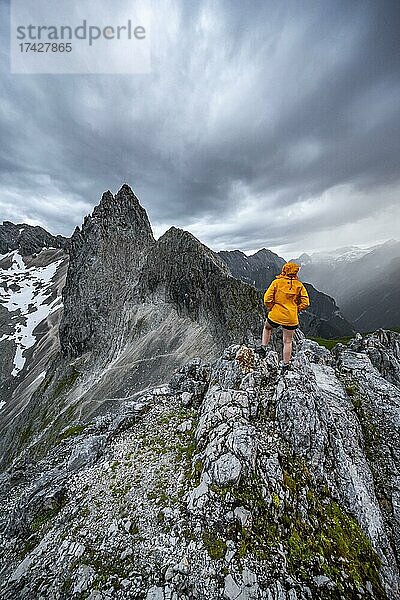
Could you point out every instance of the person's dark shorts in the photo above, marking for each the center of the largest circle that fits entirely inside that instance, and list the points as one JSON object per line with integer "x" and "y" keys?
{"x": 273, "y": 324}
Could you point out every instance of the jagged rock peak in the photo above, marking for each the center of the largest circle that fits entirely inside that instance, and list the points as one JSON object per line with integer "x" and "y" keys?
{"x": 28, "y": 239}
{"x": 179, "y": 241}
{"x": 265, "y": 252}
{"x": 125, "y": 197}
{"x": 121, "y": 211}
{"x": 106, "y": 256}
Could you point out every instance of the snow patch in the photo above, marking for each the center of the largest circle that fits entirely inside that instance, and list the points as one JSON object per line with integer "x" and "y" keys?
{"x": 26, "y": 290}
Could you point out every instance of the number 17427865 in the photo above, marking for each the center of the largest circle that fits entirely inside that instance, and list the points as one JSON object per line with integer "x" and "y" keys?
{"x": 45, "y": 47}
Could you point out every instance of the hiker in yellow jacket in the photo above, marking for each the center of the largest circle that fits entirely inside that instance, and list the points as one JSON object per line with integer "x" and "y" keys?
{"x": 284, "y": 299}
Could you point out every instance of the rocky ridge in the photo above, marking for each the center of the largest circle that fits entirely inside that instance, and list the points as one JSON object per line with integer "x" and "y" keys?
{"x": 28, "y": 239}
{"x": 133, "y": 310}
{"x": 234, "y": 481}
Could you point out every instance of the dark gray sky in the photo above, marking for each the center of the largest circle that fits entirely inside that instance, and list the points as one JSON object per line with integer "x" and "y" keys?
{"x": 271, "y": 124}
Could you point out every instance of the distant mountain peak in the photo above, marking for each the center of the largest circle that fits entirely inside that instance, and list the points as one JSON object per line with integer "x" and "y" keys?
{"x": 28, "y": 239}
{"x": 182, "y": 234}
{"x": 178, "y": 232}
{"x": 179, "y": 240}
{"x": 179, "y": 236}
{"x": 119, "y": 213}
{"x": 126, "y": 189}
{"x": 124, "y": 201}
{"x": 264, "y": 252}
{"x": 232, "y": 253}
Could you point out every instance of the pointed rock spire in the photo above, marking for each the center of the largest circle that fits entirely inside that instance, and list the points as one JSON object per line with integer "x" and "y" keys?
{"x": 106, "y": 255}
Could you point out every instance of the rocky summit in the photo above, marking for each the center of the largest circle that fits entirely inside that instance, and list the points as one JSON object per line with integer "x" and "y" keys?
{"x": 233, "y": 481}
{"x": 148, "y": 452}
{"x": 106, "y": 254}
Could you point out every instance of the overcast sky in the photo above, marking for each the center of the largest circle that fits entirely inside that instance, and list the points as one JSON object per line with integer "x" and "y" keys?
{"x": 261, "y": 124}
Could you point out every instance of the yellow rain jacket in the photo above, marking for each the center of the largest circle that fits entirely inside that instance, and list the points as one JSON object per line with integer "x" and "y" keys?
{"x": 286, "y": 296}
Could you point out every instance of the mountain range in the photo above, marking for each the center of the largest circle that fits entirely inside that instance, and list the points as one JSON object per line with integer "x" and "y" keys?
{"x": 112, "y": 283}
{"x": 130, "y": 310}
{"x": 147, "y": 452}
{"x": 322, "y": 319}
{"x": 364, "y": 282}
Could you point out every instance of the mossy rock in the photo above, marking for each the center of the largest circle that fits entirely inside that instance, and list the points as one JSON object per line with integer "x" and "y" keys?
{"x": 216, "y": 547}
{"x": 326, "y": 541}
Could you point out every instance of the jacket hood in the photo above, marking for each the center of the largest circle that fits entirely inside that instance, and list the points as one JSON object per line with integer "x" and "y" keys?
{"x": 289, "y": 269}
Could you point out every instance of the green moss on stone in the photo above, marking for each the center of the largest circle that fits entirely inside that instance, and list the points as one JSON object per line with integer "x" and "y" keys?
{"x": 351, "y": 390}
{"x": 216, "y": 547}
{"x": 66, "y": 382}
{"x": 327, "y": 540}
{"x": 44, "y": 517}
{"x": 275, "y": 500}
{"x": 47, "y": 515}
{"x": 331, "y": 343}
{"x": 25, "y": 434}
{"x": 73, "y": 430}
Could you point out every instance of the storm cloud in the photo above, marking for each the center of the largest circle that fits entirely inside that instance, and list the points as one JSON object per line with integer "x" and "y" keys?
{"x": 261, "y": 123}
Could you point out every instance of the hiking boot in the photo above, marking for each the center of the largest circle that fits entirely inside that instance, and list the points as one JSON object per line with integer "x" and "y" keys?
{"x": 261, "y": 351}
{"x": 285, "y": 367}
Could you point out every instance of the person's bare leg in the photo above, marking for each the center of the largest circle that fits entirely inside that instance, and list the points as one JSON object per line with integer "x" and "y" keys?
{"x": 266, "y": 334}
{"x": 287, "y": 345}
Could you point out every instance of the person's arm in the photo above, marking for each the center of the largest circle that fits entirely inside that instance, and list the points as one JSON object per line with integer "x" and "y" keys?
{"x": 269, "y": 296}
{"x": 304, "y": 300}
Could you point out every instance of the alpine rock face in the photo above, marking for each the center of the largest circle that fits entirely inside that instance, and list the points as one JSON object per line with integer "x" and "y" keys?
{"x": 133, "y": 310}
{"x": 106, "y": 255}
{"x": 147, "y": 452}
{"x": 33, "y": 265}
{"x": 232, "y": 481}
{"x": 322, "y": 319}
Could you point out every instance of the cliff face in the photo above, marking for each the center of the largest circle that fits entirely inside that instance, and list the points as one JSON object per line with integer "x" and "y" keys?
{"x": 232, "y": 481}
{"x": 133, "y": 310}
{"x": 106, "y": 255}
